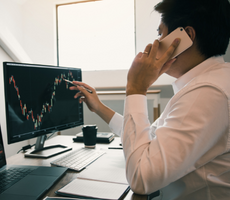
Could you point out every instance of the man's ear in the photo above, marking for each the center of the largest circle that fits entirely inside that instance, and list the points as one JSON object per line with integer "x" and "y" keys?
{"x": 191, "y": 32}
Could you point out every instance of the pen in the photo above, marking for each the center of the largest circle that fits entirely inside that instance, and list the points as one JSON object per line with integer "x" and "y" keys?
{"x": 115, "y": 148}
{"x": 78, "y": 85}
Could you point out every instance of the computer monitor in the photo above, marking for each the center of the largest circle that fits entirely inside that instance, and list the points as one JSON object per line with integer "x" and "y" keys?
{"x": 38, "y": 102}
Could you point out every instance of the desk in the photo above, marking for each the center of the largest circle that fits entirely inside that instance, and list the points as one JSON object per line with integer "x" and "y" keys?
{"x": 120, "y": 95}
{"x": 19, "y": 159}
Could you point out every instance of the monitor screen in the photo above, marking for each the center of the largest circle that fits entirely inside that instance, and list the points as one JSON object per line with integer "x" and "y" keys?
{"x": 38, "y": 100}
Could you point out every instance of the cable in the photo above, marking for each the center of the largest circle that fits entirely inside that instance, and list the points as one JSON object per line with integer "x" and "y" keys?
{"x": 29, "y": 146}
{"x": 25, "y": 148}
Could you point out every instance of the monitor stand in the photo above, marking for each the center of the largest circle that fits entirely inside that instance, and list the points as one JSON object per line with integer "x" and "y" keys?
{"x": 45, "y": 152}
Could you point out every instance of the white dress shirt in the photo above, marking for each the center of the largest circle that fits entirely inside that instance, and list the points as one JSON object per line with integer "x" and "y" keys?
{"x": 185, "y": 153}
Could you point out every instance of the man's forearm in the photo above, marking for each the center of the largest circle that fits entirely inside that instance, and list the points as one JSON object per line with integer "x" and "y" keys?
{"x": 105, "y": 113}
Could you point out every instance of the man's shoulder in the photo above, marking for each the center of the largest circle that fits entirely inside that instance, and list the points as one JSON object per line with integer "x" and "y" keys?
{"x": 217, "y": 77}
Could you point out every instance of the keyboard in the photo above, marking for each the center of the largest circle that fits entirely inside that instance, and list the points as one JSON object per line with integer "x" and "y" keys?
{"x": 10, "y": 176}
{"x": 78, "y": 159}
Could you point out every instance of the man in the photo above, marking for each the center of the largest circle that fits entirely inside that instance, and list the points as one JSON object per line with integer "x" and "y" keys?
{"x": 186, "y": 152}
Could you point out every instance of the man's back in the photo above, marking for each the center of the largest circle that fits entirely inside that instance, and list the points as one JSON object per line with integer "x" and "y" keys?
{"x": 201, "y": 134}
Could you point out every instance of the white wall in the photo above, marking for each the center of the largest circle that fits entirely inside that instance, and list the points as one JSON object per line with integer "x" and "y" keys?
{"x": 10, "y": 149}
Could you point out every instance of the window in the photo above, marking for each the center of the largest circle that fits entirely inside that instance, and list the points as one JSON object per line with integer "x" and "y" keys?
{"x": 96, "y": 35}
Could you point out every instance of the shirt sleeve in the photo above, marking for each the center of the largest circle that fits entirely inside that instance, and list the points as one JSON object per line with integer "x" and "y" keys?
{"x": 115, "y": 124}
{"x": 193, "y": 126}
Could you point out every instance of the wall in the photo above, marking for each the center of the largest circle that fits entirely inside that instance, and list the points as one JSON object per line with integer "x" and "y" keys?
{"x": 10, "y": 149}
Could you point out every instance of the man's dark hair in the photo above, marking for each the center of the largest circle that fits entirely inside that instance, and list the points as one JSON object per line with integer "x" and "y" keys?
{"x": 209, "y": 18}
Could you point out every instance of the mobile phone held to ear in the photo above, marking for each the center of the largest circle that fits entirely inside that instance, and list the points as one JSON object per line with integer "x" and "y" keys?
{"x": 185, "y": 42}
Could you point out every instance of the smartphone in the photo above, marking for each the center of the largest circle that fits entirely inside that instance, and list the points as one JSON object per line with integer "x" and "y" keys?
{"x": 185, "y": 42}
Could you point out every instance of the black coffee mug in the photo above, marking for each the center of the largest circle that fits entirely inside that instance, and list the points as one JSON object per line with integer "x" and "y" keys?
{"x": 89, "y": 135}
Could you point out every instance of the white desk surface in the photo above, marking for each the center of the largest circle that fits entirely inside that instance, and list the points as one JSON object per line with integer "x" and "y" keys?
{"x": 19, "y": 159}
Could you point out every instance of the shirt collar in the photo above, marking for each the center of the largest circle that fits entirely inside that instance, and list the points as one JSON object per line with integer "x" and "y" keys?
{"x": 199, "y": 69}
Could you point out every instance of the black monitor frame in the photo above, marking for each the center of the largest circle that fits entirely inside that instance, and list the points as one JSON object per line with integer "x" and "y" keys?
{"x": 38, "y": 102}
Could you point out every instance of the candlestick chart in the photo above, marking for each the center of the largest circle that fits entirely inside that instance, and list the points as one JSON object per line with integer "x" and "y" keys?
{"x": 40, "y": 98}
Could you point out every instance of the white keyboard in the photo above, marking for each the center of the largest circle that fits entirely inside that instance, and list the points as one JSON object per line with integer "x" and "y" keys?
{"x": 78, "y": 159}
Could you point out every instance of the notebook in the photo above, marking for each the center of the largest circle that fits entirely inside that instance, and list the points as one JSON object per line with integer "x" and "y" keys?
{"x": 90, "y": 189}
{"x": 35, "y": 182}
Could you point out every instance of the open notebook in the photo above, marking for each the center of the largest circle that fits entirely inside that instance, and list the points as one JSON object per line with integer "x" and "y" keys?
{"x": 94, "y": 189}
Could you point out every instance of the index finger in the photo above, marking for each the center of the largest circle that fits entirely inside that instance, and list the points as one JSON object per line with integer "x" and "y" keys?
{"x": 154, "y": 48}
{"x": 167, "y": 55}
{"x": 81, "y": 84}
{"x": 78, "y": 85}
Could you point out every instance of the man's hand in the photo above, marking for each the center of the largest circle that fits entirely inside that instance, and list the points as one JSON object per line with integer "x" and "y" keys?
{"x": 146, "y": 69}
{"x": 92, "y": 101}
